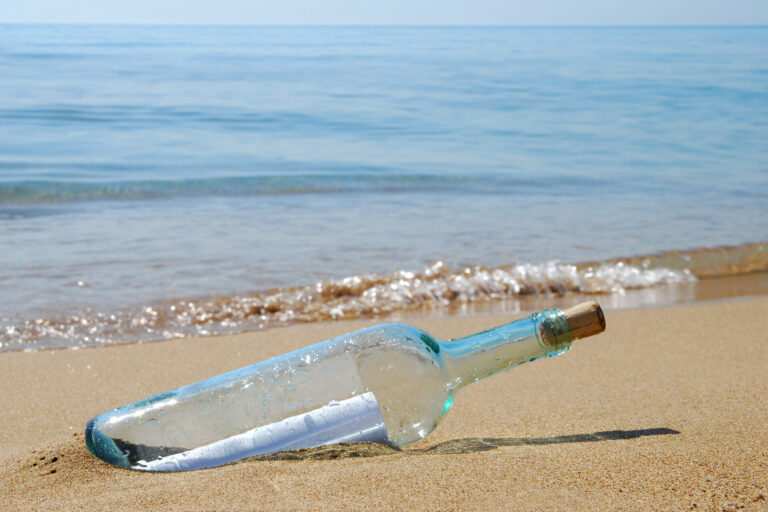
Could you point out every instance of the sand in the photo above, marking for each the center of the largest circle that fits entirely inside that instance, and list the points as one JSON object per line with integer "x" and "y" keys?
{"x": 666, "y": 410}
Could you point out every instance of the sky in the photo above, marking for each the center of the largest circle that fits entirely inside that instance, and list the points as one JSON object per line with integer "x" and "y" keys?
{"x": 385, "y": 12}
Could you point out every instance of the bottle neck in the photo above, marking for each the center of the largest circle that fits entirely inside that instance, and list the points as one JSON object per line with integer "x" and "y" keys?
{"x": 469, "y": 359}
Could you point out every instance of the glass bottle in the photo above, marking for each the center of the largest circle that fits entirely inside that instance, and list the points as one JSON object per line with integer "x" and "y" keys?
{"x": 390, "y": 383}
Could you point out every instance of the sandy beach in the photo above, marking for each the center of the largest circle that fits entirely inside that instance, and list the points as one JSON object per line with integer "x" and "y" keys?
{"x": 666, "y": 410}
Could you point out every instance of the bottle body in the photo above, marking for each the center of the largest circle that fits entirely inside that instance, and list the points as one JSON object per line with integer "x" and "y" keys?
{"x": 391, "y": 362}
{"x": 388, "y": 383}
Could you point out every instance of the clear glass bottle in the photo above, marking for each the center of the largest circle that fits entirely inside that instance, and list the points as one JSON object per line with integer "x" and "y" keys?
{"x": 388, "y": 383}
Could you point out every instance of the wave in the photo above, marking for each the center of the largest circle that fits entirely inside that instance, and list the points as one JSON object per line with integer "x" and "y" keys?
{"x": 372, "y": 295}
{"x": 142, "y": 117}
{"x": 25, "y": 192}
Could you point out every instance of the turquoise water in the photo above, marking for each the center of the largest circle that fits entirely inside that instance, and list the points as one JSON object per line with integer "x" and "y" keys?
{"x": 142, "y": 163}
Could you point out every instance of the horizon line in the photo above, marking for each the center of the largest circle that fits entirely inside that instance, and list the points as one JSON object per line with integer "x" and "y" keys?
{"x": 393, "y": 25}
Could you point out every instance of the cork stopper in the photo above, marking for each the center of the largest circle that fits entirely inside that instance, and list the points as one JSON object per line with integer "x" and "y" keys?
{"x": 585, "y": 319}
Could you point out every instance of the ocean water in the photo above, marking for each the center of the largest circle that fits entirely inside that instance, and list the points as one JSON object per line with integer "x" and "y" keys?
{"x": 159, "y": 181}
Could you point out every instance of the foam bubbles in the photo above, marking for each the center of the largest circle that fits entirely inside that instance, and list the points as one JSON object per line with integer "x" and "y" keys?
{"x": 438, "y": 285}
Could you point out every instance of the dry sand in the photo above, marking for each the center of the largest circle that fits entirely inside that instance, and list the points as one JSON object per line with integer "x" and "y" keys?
{"x": 666, "y": 410}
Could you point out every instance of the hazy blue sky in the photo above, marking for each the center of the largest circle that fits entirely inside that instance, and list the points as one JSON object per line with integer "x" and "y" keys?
{"x": 389, "y": 11}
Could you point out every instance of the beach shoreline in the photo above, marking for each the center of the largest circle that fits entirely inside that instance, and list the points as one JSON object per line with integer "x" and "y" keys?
{"x": 664, "y": 410}
{"x": 660, "y": 279}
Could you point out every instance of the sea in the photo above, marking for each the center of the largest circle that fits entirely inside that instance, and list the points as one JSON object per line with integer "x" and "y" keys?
{"x": 166, "y": 181}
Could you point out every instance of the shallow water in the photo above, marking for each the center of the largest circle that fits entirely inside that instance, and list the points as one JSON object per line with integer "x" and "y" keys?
{"x": 146, "y": 167}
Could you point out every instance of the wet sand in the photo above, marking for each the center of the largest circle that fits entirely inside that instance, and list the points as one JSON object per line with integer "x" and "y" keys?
{"x": 666, "y": 410}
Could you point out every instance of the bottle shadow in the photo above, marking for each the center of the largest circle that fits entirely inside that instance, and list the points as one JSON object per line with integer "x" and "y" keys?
{"x": 460, "y": 446}
{"x": 482, "y": 444}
